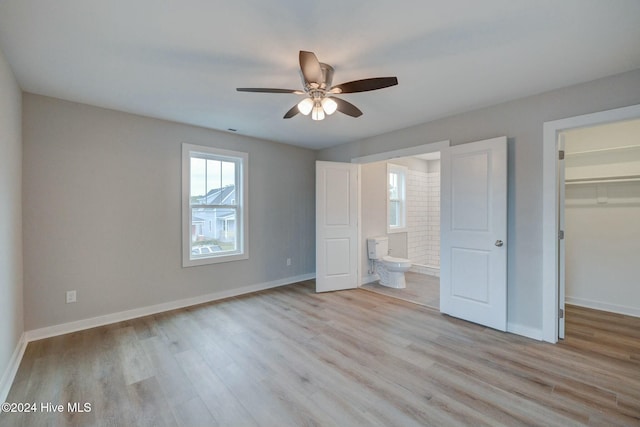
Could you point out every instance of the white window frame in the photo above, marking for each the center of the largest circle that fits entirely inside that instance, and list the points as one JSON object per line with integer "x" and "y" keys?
{"x": 242, "y": 208}
{"x": 402, "y": 172}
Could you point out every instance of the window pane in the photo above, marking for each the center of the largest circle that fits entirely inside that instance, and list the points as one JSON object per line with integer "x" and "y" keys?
{"x": 228, "y": 173}
{"x": 213, "y": 177}
{"x": 213, "y": 182}
{"x": 213, "y": 230}
{"x": 228, "y": 194}
{"x": 393, "y": 186}
{"x": 198, "y": 180}
{"x": 394, "y": 213}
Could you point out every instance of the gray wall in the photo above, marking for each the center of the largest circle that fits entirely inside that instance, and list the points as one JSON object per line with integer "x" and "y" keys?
{"x": 521, "y": 121}
{"x": 11, "y": 312}
{"x": 102, "y": 212}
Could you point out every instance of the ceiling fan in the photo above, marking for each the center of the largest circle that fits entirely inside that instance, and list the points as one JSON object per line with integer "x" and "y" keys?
{"x": 317, "y": 77}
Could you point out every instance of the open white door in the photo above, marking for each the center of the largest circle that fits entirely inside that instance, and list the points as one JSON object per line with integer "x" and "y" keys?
{"x": 473, "y": 259}
{"x": 336, "y": 226}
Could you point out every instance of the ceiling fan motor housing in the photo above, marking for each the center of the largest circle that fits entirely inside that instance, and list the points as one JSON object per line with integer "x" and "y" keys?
{"x": 327, "y": 75}
{"x": 321, "y": 86}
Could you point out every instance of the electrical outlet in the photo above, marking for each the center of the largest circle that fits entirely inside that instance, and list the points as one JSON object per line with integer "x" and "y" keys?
{"x": 288, "y": 261}
{"x": 71, "y": 296}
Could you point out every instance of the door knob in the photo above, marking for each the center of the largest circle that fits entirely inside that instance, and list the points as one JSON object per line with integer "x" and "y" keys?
{"x": 499, "y": 243}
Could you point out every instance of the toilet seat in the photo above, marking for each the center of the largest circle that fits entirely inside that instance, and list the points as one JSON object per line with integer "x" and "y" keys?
{"x": 399, "y": 264}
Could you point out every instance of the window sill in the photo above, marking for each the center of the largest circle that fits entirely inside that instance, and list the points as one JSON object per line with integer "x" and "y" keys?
{"x": 213, "y": 260}
{"x": 397, "y": 230}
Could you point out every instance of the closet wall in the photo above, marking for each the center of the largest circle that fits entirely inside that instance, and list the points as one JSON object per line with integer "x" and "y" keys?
{"x": 602, "y": 217}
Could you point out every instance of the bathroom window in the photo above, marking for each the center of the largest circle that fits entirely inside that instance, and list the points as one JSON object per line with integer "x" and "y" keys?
{"x": 396, "y": 198}
{"x": 214, "y": 192}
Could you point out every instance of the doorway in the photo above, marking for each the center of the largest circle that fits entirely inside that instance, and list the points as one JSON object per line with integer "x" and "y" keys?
{"x": 408, "y": 214}
{"x": 553, "y": 264}
{"x": 601, "y": 227}
{"x": 473, "y": 283}
{"x": 423, "y": 283}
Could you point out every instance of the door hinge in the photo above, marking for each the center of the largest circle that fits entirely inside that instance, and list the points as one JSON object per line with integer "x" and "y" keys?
{"x": 561, "y": 235}
{"x": 561, "y": 154}
{"x": 561, "y": 313}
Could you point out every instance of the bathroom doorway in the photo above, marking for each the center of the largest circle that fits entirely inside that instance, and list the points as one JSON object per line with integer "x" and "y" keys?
{"x": 473, "y": 228}
{"x": 417, "y": 236}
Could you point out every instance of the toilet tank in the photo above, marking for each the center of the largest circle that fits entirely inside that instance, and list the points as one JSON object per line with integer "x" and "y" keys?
{"x": 377, "y": 247}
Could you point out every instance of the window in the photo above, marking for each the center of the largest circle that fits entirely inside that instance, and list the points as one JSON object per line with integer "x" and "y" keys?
{"x": 396, "y": 198}
{"x": 214, "y": 205}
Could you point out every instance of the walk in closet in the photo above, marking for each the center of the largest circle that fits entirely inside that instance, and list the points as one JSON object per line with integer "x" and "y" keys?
{"x": 602, "y": 217}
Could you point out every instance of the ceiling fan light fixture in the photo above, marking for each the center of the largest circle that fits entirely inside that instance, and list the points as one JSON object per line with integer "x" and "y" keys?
{"x": 305, "y": 106}
{"x": 329, "y": 106}
{"x": 317, "y": 79}
{"x": 318, "y": 112}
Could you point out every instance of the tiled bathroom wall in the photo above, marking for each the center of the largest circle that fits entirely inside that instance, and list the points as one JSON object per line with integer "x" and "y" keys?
{"x": 423, "y": 219}
{"x": 417, "y": 211}
{"x": 433, "y": 222}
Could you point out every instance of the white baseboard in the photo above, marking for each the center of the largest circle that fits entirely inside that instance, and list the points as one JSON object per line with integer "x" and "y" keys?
{"x": 65, "y": 328}
{"x": 14, "y": 363}
{"x": 604, "y": 306}
{"x": 425, "y": 269}
{"x": 369, "y": 279}
{"x": 525, "y": 331}
{"x": 50, "y": 331}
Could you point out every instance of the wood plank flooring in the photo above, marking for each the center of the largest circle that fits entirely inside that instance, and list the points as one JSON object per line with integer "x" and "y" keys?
{"x": 290, "y": 357}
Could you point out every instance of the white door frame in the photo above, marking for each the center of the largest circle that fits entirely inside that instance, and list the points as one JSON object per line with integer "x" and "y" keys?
{"x": 561, "y": 242}
{"x": 403, "y": 152}
{"x": 550, "y": 206}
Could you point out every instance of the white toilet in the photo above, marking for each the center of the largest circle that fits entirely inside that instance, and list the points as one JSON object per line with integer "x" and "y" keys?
{"x": 390, "y": 269}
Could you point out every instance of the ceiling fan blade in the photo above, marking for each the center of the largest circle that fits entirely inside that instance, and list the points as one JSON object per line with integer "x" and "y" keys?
{"x": 292, "y": 112}
{"x": 365, "y": 85}
{"x": 310, "y": 67}
{"x": 346, "y": 107}
{"x": 268, "y": 90}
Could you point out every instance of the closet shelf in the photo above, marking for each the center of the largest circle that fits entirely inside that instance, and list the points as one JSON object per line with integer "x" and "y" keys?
{"x": 603, "y": 179}
{"x": 621, "y": 150}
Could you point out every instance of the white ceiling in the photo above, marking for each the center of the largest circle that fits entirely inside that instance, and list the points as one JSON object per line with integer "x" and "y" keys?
{"x": 181, "y": 60}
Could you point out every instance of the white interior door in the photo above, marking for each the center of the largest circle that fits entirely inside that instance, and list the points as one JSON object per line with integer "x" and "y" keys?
{"x": 473, "y": 259}
{"x": 336, "y": 226}
{"x": 561, "y": 248}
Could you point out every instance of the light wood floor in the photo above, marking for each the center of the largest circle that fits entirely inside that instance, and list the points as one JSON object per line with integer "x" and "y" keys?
{"x": 421, "y": 289}
{"x": 289, "y": 357}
